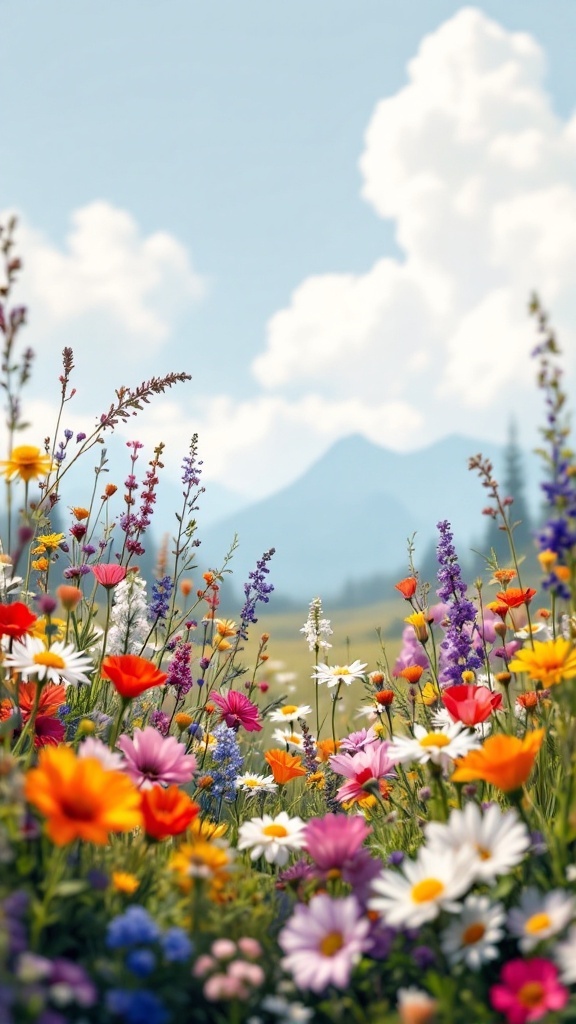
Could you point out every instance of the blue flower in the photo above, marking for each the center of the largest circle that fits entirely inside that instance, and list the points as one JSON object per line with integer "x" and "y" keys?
{"x": 140, "y": 1007}
{"x": 176, "y": 945}
{"x": 134, "y": 927}
{"x": 141, "y": 962}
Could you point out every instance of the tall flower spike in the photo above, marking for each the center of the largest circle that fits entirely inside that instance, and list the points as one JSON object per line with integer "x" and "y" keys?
{"x": 458, "y": 643}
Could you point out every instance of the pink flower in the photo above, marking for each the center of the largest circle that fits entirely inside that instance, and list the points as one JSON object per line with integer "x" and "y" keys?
{"x": 237, "y": 710}
{"x": 470, "y": 704}
{"x": 109, "y": 574}
{"x": 323, "y": 940}
{"x": 48, "y": 731}
{"x": 333, "y": 840}
{"x": 528, "y": 990}
{"x": 359, "y": 740}
{"x": 152, "y": 759}
{"x": 368, "y": 766}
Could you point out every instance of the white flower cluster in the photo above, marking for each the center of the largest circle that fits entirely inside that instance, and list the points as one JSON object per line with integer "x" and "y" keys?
{"x": 317, "y": 629}
{"x": 129, "y": 618}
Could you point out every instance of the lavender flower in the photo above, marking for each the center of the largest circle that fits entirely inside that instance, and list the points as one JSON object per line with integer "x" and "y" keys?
{"x": 179, "y": 672}
{"x": 255, "y": 590}
{"x": 160, "y": 721}
{"x": 229, "y": 761}
{"x": 161, "y": 593}
{"x": 461, "y": 615}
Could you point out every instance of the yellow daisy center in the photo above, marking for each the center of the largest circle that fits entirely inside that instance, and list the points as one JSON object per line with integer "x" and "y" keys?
{"x": 530, "y": 994}
{"x": 435, "y": 739}
{"x": 537, "y": 923}
{"x": 331, "y": 943}
{"x": 251, "y": 783}
{"x": 342, "y": 670}
{"x": 288, "y": 709}
{"x": 50, "y": 659}
{"x": 276, "y": 831}
{"x": 426, "y": 890}
{"x": 483, "y": 852}
{"x": 473, "y": 933}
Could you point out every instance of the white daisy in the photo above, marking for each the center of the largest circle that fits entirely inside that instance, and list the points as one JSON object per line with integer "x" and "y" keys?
{"x": 498, "y": 839}
{"x": 473, "y": 936}
{"x": 251, "y": 784}
{"x": 539, "y": 629}
{"x": 274, "y": 838}
{"x": 540, "y": 915}
{"x": 292, "y": 739}
{"x": 439, "y": 746}
{"x": 333, "y": 675}
{"x": 422, "y": 888}
{"x": 60, "y": 663}
{"x": 290, "y": 712}
{"x": 565, "y": 956}
{"x": 93, "y": 747}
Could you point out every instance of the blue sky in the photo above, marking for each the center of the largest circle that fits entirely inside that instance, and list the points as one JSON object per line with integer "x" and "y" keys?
{"x": 217, "y": 187}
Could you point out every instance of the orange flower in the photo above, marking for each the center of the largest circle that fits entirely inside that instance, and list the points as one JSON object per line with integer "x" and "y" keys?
{"x": 504, "y": 575}
{"x": 384, "y": 697}
{"x": 498, "y": 608}
{"x": 80, "y": 798}
{"x": 80, "y": 513}
{"x": 515, "y": 597}
{"x": 528, "y": 700}
{"x": 504, "y": 761}
{"x": 51, "y": 697}
{"x": 407, "y": 587}
{"x": 325, "y": 749}
{"x": 124, "y": 881}
{"x": 131, "y": 675}
{"x": 167, "y": 812}
{"x": 284, "y": 766}
{"x": 69, "y": 596}
{"x": 412, "y": 673}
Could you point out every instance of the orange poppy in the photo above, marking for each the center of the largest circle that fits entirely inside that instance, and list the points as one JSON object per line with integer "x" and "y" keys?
{"x": 52, "y": 696}
{"x": 384, "y": 697}
{"x": 412, "y": 673}
{"x": 504, "y": 761}
{"x": 284, "y": 766}
{"x": 407, "y": 587}
{"x": 131, "y": 675}
{"x": 80, "y": 798}
{"x": 515, "y": 597}
{"x": 167, "y": 812}
{"x": 325, "y": 749}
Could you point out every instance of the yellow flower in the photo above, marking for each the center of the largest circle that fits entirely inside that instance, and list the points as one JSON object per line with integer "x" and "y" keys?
{"x": 40, "y": 564}
{"x": 58, "y": 629}
{"x": 549, "y": 662}
{"x": 26, "y": 462}
{"x": 123, "y": 881}
{"x": 419, "y": 624}
{"x": 51, "y": 540}
{"x": 204, "y": 861}
{"x": 430, "y": 694}
{"x": 225, "y": 627}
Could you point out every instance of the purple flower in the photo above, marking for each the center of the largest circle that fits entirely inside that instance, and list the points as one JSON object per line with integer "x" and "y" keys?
{"x": 323, "y": 941}
{"x": 357, "y": 741}
{"x": 458, "y": 644}
{"x": 179, "y": 672}
{"x": 152, "y": 759}
{"x": 160, "y": 721}
{"x": 257, "y": 589}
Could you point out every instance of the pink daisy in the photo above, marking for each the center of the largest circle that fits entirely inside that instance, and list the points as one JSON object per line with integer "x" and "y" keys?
{"x": 237, "y": 710}
{"x": 152, "y": 759}
{"x": 528, "y": 990}
{"x": 323, "y": 941}
{"x": 369, "y": 765}
{"x": 334, "y": 840}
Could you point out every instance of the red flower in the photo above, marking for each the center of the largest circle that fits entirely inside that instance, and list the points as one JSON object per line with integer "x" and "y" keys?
{"x": 514, "y": 597}
{"x": 167, "y": 812}
{"x": 51, "y": 697}
{"x": 470, "y": 704}
{"x": 237, "y": 710}
{"x": 131, "y": 675}
{"x": 109, "y": 574}
{"x": 15, "y": 620}
{"x": 48, "y": 731}
{"x": 407, "y": 587}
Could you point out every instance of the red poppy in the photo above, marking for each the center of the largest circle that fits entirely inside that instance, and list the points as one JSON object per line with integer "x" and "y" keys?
{"x": 16, "y": 620}
{"x": 515, "y": 597}
{"x": 131, "y": 675}
{"x": 470, "y": 704}
{"x": 52, "y": 696}
{"x": 384, "y": 697}
{"x": 407, "y": 587}
{"x": 167, "y": 812}
{"x": 109, "y": 574}
{"x": 237, "y": 710}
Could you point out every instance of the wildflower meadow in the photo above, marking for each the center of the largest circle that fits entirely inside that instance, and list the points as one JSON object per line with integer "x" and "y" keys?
{"x": 178, "y": 845}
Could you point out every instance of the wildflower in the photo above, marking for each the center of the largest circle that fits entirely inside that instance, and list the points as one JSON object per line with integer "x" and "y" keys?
{"x": 183, "y": 720}
{"x": 528, "y": 990}
{"x": 51, "y": 698}
{"x": 31, "y": 657}
{"x": 255, "y": 590}
{"x": 326, "y": 748}
{"x": 160, "y": 601}
{"x": 470, "y": 704}
{"x": 333, "y": 675}
{"x": 472, "y": 938}
{"x": 237, "y": 710}
{"x": 515, "y": 597}
{"x": 167, "y": 812}
{"x": 460, "y": 619}
{"x": 15, "y": 620}
{"x": 125, "y": 882}
{"x": 176, "y": 945}
{"x": 287, "y": 1012}
{"x": 439, "y": 746}
{"x": 323, "y": 941}
{"x": 292, "y": 739}
{"x": 131, "y": 675}
{"x": 179, "y": 670}
{"x": 496, "y": 840}
{"x": 227, "y": 760}
{"x": 422, "y": 888}
{"x": 93, "y": 747}
{"x": 27, "y": 463}
{"x": 289, "y": 712}
{"x": 273, "y": 838}
{"x": 548, "y": 662}
{"x": 539, "y": 916}
{"x": 203, "y": 859}
{"x": 317, "y": 629}
{"x": 565, "y": 955}
{"x": 407, "y": 587}
{"x": 284, "y": 766}
{"x": 152, "y": 759}
{"x": 252, "y": 784}
{"x": 415, "y": 1006}
{"x": 363, "y": 770}
{"x": 80, "y": 799}
{"x": 129, "y": 627}
{"x": 334, "y": 841}
{"x": 80, "y": 513}
{"x": 505, "y": 761}
{"x": 69, "y": 596}
{"x": 419, "y": 624}
{"x": 109, "y": 574}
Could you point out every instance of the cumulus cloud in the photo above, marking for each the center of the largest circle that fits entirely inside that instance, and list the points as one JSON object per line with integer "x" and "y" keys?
{"x": 479, "y": 175}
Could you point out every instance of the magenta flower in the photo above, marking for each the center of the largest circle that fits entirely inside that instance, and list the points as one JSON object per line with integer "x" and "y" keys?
{"x": 357, "y": 741}
{"x": 368, "y": 766}
{"x": 334, "y": 840}
{"x": 109, "y": 574}
{"x": 237, "y": 710}
{"x": 323, "y": 940}
{"x": 152, "y": 759}
{"x": 528, "y": 990}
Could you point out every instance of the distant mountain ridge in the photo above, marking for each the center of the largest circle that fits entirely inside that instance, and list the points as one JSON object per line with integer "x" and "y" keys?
{"x": 350, "y": 514}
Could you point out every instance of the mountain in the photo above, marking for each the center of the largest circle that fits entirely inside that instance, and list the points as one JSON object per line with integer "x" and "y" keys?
{"x": 349, "y": 515}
